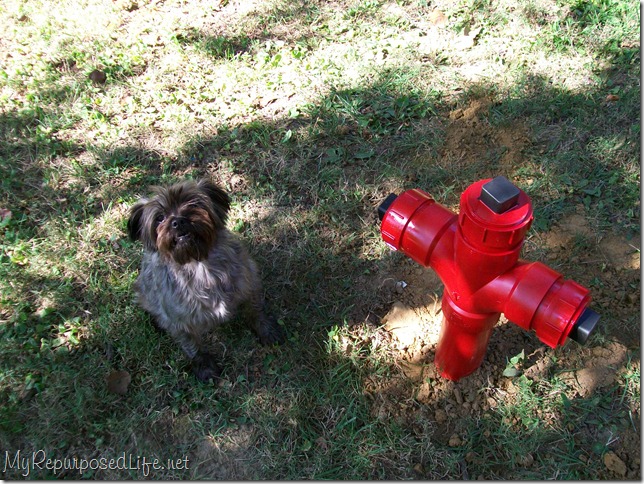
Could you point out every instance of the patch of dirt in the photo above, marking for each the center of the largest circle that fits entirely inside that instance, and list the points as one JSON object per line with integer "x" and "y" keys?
{"x": 470, "y": 138}
{"x": 414, "y": 315}
{"x": 600, "y": 365}
{"x": 620, "y": 253}
{"x": 608, "y": 264}
{"x": 616, "y": 251}
{"x": 227, "y": 457}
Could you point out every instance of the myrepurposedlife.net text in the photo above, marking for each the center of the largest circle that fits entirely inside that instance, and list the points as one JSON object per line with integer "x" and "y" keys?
{"x": 28, "y": 463}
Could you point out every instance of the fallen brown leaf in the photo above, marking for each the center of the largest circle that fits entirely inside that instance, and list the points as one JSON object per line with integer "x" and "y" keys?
{"x": 99, "y": 77}
{"x": 118, "y": 382}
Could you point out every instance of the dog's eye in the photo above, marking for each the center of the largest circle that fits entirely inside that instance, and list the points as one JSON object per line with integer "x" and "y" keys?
{"x": 160, "y": 218}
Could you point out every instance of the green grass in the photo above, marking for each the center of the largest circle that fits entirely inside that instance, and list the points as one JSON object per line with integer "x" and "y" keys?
{"x": 309, "y": 113}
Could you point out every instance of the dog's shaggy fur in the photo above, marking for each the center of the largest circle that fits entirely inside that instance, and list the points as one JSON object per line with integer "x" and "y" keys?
{"x": 195, "y": 273}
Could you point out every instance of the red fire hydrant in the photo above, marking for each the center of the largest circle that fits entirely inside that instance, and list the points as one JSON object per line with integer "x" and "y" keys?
{"x": 476, "y": 255}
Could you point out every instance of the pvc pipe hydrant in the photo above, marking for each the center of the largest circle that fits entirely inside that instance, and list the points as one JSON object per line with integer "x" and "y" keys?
{"x": 476, "y": 255}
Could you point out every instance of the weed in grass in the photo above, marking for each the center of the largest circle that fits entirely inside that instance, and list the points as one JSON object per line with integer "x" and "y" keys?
{"x": 217, "y": 47}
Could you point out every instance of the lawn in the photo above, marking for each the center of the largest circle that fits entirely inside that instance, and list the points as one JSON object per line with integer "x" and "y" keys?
{"x": 309, "y": 114}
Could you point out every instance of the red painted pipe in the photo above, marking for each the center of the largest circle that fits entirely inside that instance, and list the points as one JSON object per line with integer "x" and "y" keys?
{"x": 476, "y": 255}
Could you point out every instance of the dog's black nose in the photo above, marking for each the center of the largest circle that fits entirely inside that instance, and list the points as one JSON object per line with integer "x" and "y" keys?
{"x": 179, "y": 223}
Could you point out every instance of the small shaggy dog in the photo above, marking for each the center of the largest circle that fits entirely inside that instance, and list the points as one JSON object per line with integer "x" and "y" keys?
{"x": 195, "y": 273}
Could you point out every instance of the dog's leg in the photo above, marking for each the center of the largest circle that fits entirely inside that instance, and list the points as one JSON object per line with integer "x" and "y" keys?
{"x": 265, "y": 326}
{"x": 205, "y": 367}
{"x": 204, "y": 364}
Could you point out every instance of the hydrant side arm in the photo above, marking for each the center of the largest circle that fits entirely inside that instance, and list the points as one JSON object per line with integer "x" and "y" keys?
{"x": 396, "y": 213}
{"x": 414, "y": 224}
{"x": 532, "y": 281}
{"x": 537, "y": 298}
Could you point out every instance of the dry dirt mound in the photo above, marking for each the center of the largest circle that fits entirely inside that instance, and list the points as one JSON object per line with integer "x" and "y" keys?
{"x": 470, "y": 138}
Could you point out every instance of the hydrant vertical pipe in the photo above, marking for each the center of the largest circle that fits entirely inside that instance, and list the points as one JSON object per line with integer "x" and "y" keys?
{"x": 463, "y": 340}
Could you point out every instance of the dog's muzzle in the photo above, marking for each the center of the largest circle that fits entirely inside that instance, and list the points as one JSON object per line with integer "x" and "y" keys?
{"x": 181, "y": 228}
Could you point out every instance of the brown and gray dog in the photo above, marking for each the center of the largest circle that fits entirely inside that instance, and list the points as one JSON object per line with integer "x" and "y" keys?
{"x": 195, "y": 274}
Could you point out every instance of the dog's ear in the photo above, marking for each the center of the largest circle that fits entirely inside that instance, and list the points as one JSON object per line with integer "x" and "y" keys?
{"x": 134, "y": 222}
{"x": 220, "y": 199}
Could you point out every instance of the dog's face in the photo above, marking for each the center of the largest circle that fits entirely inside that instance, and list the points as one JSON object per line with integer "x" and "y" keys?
{"x": 182, "y": 221}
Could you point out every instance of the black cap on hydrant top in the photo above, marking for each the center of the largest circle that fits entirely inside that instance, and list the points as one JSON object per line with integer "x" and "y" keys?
{"x": 499, "y": 194}
{"x": 384, "y": 206}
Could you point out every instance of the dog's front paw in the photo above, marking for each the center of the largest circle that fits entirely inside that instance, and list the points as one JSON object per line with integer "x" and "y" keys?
{"x": 205, "y": 367}
{"x": 270, "y": 332}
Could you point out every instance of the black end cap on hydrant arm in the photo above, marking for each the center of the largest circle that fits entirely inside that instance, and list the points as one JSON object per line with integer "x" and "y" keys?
{"x": 384, "y": 206}
{"x": 584, "y": 326}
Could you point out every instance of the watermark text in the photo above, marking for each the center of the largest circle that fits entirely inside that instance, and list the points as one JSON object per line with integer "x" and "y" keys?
{"x": 27, "y": 463}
